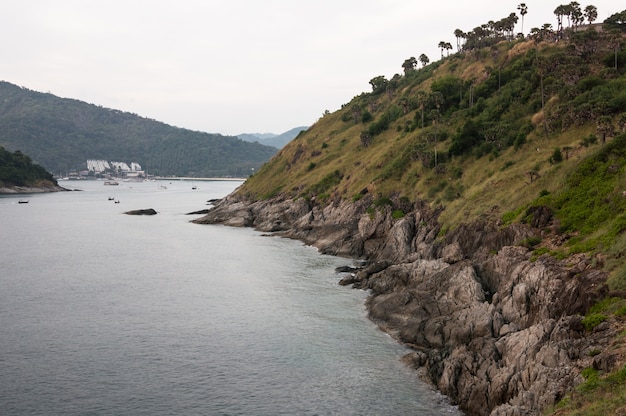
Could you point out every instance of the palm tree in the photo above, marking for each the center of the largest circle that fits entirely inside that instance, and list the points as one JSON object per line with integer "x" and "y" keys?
{"x": 409, "y": 65}
{"x": 575, "y": 14}
{"x": 508, "y": 24}
{"x": 422, "y": 99}
{"x": 442, "y": 46}
{"x": 560, "y": 11}
{"x": 591, "y": 13}
{"x": 458, "y": 33}
{"x": 523, "y": 9}
{"x": 424, "y": 60}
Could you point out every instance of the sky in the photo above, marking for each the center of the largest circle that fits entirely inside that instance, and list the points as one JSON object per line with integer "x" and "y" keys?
{"x": 233, "y": 66}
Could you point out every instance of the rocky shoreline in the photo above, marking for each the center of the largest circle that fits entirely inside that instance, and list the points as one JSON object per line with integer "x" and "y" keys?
{"x": 31, "y": 190}
{"x": 494, "y": 328}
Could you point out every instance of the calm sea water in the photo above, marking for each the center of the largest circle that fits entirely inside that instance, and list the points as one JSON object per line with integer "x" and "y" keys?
{"x": 103, "y": 313}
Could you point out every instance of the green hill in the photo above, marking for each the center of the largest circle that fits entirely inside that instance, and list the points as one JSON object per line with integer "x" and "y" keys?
{"x": 18, "y": 170}
{"x": 485, "y": 133}
{"x": 62, "y": 134}
{"x": 497, "y": 134}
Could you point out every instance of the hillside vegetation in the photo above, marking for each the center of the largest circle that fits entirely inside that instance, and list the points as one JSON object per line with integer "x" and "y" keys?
{"x": 62, "y": 134}
{"x": 486, "y": 133}
{"x": 501, "y": 131}
{"x": 17, "y": 169}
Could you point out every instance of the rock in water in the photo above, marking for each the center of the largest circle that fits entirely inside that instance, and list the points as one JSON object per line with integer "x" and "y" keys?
{"x": 149, "y": 211}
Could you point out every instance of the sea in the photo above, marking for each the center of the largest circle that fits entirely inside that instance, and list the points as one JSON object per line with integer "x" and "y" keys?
{"x": 103, "y": 313}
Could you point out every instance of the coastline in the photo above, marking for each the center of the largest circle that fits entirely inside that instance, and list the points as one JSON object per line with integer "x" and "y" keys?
{"x": 18, "y": 190}
{"x": 491, "y": 327}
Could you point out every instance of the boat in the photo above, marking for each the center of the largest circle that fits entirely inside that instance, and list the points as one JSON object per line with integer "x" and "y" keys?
{"x": 22, "y": 201}
{"x": 111, "y": 183}
{"x": 111, "y": 198}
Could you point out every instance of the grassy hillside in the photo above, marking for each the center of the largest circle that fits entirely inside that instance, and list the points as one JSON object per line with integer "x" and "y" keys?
{"x": 62, "y": 134}
{"x": 485, "y": 133}
{"x": 492, "y": 133}
{"x": 503, "y": 131}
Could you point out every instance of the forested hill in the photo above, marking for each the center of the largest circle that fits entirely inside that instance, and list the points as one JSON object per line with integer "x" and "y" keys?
{"x": 18, "y": 170}
{"x": 62, "y": 134}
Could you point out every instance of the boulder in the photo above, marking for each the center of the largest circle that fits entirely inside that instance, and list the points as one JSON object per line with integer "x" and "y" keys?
{"x": 149, "y": 211}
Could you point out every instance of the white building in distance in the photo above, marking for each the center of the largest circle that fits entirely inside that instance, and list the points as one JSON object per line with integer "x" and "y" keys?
{"x": 100, "y": 166}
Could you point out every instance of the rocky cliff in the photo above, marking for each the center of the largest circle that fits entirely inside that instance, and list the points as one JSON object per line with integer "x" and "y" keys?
{"x": 491, "y": 326}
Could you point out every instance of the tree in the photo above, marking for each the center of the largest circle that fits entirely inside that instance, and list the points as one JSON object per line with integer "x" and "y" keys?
{"x": 604, "y": 127}
{"x": 458, "y": 33}
{"x": 591, "y": 13}
{"x": 422, "y": 99}
{"x": 379, "y": 84}
{"x": 523, "y": 9}
{"x": 409, "y": 65}
{"x": 621, "y": 122}
{"x": 508, "y": 25}
{"x": 365, "y": 139}
{"x": 560, "y": 11}
{"x": 615, "y": 39}
{"x": 435, "y": 117}
{"x": 424, "y": 60}
{"x": 616, "y": 19}
{"x": 542, "y": 70}
{"x": 442, "y": 46}
{"x": 576, "y": 14}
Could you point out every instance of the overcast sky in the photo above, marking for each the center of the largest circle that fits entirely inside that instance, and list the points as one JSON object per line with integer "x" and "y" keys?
{"x": 233, "y": 66}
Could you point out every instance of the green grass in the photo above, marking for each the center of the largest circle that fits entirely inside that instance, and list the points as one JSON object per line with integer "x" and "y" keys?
{"x": 597, "y": 395}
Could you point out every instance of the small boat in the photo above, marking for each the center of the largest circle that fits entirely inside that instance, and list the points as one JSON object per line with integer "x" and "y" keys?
{"x": 194, "y": 187}
{"x": 23, "y": 201}
{"x": 111, "y": 183}
{"x": 111, "y": 198}
{"x": 117, "y": 201}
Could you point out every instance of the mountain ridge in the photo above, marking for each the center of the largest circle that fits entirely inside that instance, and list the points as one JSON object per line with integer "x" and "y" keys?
{"x": 271, "y": 139}
{"x": 61, "y": 134}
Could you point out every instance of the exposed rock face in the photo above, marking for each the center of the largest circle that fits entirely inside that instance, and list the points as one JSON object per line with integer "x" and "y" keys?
{"x": 494, "y": 329}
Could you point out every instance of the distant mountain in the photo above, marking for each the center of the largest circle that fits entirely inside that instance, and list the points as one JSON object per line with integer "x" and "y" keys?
{"x": 62, "y": 134}
{"x": 270, "y": 139}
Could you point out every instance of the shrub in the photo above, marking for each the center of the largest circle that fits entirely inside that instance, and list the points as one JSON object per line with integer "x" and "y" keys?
{"x": 381, "y": 201}
{"x": 330, "y": 180}
{"x": 592, "y": 320}
{"x": 557, "y": 156}
{"x": 530, "y": 242}
{"x": 589, "y": 140}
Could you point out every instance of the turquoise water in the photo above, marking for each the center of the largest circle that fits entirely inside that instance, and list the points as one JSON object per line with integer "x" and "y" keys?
{"x": 103, "y": 313}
